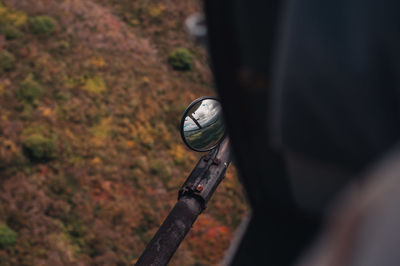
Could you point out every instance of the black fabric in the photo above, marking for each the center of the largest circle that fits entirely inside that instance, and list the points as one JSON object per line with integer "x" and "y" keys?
{"x": 332, "y": 94}
{"x": 339, "y": 80}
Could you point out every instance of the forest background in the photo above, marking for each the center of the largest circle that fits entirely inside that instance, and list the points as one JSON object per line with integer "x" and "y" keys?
{"x": 91, "y": 95}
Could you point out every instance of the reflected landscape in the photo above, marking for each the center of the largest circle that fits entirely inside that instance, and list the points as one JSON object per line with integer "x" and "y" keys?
{"x": 203, "y": 126}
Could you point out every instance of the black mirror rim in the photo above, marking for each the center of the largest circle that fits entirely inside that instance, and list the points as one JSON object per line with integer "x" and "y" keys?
{"x": 183, "y": 121}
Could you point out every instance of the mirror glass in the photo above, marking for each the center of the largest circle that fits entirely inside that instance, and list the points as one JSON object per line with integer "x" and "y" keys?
{"x": 202, "y": 125}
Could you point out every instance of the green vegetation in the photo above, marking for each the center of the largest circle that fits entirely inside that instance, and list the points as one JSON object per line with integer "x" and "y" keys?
{"x": 29, "y": 90}
{"x": 39, "y": 148}
{"x": 7, "y": 61}
{"x": 181, "y": 59}
{"x": 7, "y": 236}
{"x": 90, "y": 149}
{"x": 11, "y": 22}
{"x": 42, "y": 25}
{"x": 95, "y": 85}
{"x": 206, "y": 137}
{"x": 10, "y": 32}
{"x": 159, "y": 168}
{"x": 63, "y": 46}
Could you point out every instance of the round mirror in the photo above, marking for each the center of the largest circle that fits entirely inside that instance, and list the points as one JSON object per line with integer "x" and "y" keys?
{"x": 202, "y": 126}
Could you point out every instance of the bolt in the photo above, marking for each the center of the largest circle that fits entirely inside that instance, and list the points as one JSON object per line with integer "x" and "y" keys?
{"x": 200, "y": 188}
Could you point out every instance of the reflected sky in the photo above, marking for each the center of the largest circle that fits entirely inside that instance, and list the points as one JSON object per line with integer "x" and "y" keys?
{"x": 207, "y": 112}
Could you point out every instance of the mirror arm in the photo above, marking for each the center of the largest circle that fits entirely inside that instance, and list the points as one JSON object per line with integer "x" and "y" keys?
{"x": 192, "y": 200}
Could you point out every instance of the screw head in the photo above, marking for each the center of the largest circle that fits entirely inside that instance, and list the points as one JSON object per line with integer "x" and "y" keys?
{"x": 200, "y": 188}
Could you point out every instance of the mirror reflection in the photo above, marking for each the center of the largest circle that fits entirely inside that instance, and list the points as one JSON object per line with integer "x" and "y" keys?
{"x": 203, "y": 125}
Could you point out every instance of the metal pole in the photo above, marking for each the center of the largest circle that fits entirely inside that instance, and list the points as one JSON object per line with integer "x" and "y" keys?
{"x": 192, "y": 200}
{"x": 171, "y": 233}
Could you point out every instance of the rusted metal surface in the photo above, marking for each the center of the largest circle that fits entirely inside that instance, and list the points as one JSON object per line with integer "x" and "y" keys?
{"x": 171, "y": 233}
{"x": 192, "y": 200}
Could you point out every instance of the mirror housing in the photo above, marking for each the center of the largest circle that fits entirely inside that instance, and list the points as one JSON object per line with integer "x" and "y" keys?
{"x": 202, "y": 125}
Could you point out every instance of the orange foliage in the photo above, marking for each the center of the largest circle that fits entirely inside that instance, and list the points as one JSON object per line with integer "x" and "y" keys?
{"x": 97, "y": 62}
{"x": 180, "y": 154}
{"x": 112, "y": 106}
{"x": 210, "y": 239}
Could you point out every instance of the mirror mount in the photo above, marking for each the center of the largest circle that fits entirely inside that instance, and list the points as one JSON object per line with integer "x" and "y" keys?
{"x": 208, "y": 173}
{"x": 201, "y": 183}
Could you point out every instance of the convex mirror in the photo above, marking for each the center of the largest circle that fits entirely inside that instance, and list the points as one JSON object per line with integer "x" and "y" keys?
{"x": 202, "y": 125}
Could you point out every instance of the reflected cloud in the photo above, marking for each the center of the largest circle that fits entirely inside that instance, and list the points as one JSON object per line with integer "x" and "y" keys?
{"x": 205, "y": 113}
{"x": 203, "y": 126}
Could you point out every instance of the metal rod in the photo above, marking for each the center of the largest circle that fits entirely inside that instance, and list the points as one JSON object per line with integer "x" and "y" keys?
{"x": 207, "y": 175}
{"x": 171, "y": 233}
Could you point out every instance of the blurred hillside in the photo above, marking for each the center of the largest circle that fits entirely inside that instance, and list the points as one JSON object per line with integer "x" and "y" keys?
{"x": 90, "y": 153}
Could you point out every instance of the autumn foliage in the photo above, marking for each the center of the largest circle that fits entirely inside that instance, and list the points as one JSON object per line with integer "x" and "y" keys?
{"x": 90, "y": 153}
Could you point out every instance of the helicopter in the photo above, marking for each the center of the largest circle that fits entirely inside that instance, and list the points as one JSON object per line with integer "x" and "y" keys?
{"x": 321, "y": 79}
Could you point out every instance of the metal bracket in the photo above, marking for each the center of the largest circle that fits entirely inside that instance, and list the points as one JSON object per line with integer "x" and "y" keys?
{"x": 207, "y": 174}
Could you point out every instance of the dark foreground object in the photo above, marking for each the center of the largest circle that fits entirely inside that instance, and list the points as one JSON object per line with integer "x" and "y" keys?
{"x": 192, "y": 200}
{"x": 174, "y": 229}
